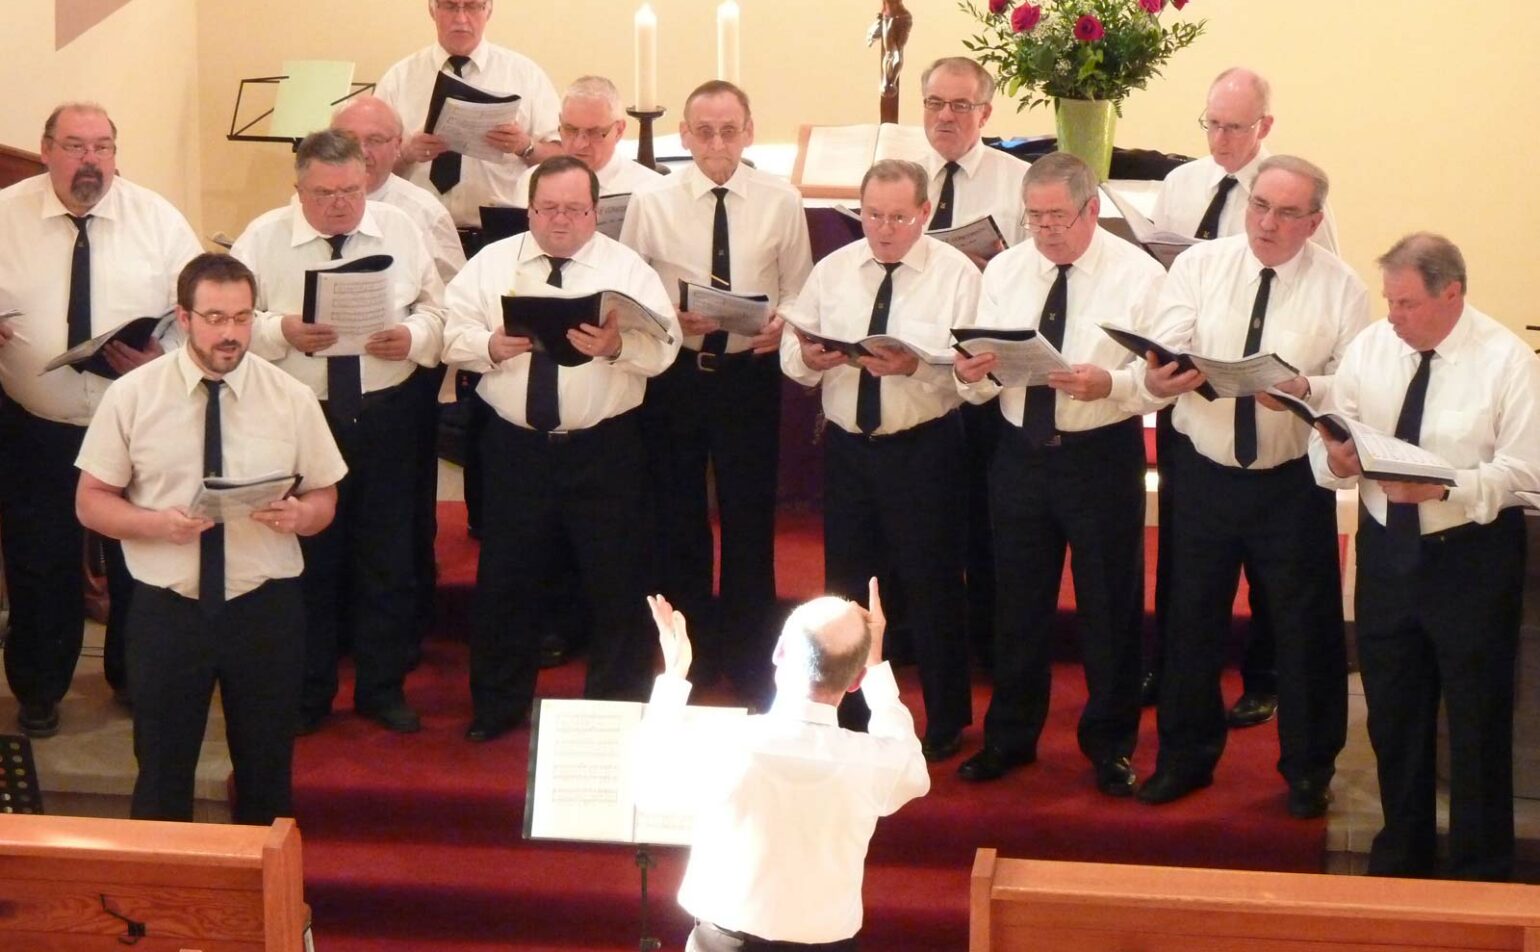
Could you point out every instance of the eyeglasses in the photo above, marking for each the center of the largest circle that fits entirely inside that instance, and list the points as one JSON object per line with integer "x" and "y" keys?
{"x": 728, "y": 134}
{"x": 1053, "y": 222}
{"x": 1227, "y": 128}
{"x": 76, "y": 149}
{"x": 467, "y": 7}
{"x": 221, "y": 319}
{"x": 959, "y": 106}
{"x": 594, "y": 134}
{"x": 1261, "y": 208}
{"x": 375, "y": 142}
{"x": 897, "y": 221}
{"x": 349, "y": 194}
{"x": 550, "y": 210}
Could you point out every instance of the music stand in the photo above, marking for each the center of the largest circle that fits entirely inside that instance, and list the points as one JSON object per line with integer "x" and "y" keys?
{"x": 19, "y": 791}
{"x": 241, "y": 134}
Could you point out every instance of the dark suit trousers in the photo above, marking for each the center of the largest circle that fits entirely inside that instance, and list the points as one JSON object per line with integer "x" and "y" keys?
{"x": 726, "y": 419}
{"x": 982, "y": 424}
{"x": 1086, "y": 494}
{"x": 426, "y": 383}
{"x": 589, "y": 489}
{"x": 253, "y": 648}
{"x": 896, "y": 500}
{"x": 43, "y": 546}
{"x": 1450, "y": 627}
{"x": 360, "y": 571}
{"x": 120, "y": 591}
{"x": 1281, "y": 527}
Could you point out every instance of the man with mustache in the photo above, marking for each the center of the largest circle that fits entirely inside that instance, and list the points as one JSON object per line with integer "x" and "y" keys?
{"x": 82, "y": 251}
{"x": 214, "y": 603}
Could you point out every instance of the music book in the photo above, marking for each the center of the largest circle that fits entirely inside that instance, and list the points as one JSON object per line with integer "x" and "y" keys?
{"x": 545, "y": 320}
{"x": 1162, "y": 245}
{"x": 1225, "y": 378}
{"x": 610, "y": 214}
{"x": 980, "y": 238}
{"x": 1380, "y": 455}
{"x": 1024, "y": 358}
{"x": 86, "y": 357}
{"x": 832, "y": 159}
{"x": 462, "y": 115}
{"x": 863, "y": 347}
{"x": 745, "y": 314}
{"x": 226, "y": 498}
{"x": 352, "y": 295}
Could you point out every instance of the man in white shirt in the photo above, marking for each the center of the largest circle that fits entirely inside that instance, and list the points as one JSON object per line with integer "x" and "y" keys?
{"x": 893, "y": 449}
{"x": 214, "y": 603}
{"x": 82, "y": 251}
{"x": 1243, "y": 495}
{"x": 1068, "y": 473}
{"x": 1440, "y": 568}
{"x": 565, "y": 462}
{"x": 360, "y": 577}
{"x": 592, "y": 125}
{"x": 785, "y": 803}
{"x": 719, "y": 223}
{"x": 465, "y": 183}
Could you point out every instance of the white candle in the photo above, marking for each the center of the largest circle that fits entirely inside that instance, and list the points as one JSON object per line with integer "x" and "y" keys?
{"x": 646, "y": 59}
{"x": 728, "y": 21}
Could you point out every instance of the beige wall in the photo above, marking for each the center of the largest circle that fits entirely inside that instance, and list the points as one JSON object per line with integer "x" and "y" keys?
{"x": 141, "y": 63}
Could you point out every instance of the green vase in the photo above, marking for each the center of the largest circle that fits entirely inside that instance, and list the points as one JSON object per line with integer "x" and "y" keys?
{"x": 1085, "y": 128}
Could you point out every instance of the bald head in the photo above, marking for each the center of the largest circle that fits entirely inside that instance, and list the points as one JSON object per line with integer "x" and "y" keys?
{"x": 374, "y": 125}
{"x": 823, "y": 647}
{"x": 1238, "y": 117}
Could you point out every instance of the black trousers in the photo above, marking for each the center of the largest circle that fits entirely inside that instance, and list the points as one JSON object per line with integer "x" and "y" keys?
{"x": 894, "y": 501}
{"x": 360, "y": 571}
{"x": 425, "y": 383}
{"x": 727, "y": 419}
{"x": 1281, "y": 527}
{"x": 1087, "y": 495}
{"x": 120, "y": 591}
{"x": 589, "y": 489}
{"x": 982, "y": 424}
{"x": 1449, "y": 628}
{"x": 253, "y": 649}
{"x": 44, "y": 553}
{"x": 709, "y": 937}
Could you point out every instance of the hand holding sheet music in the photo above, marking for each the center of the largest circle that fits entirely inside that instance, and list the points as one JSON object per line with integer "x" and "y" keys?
{"x": 1380, "y": 456}
{"x": 223, "y": 499}
{"x": 462, "y": 115}
{"x": 1023, "y": 357}
{"x": 1224, "y": 378}
{"x": 745, "y": 314}
{"x": 353, "y": 298}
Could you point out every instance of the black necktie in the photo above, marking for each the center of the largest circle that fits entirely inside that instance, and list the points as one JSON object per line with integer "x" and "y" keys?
{"x": 721, "y": 268}
{"x": 1209, "y": 226}
{"x": 541, "y": 407}
{"x": 1038, "y": 422}
{"x": 80, "y": 284}
{"x": 444, "y": 173}
{"x": 943, "y": 216}
{"x": 1246, "y": 407}
{"x": 869, "y": 389}
{"x": 344, "y": 379}
{"x": 1402, "y": 524}
{"x": 211, "y": 544}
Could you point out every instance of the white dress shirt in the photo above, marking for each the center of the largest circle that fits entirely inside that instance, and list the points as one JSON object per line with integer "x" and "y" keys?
{"x": 280, "y": 244}
{"x": 589, "y": 393}
{"x": 1112, "y": 282}
{"x": 671, "y": 224}
{"x": 988, "y": 182}
{"x": 1189, "y": 188}
{"x": 620, "y": 176}
{"x": 786, "y": 804}
{"x": 148, "y": 439}
{"x": 139, "y": 244}
{"x": 431, "y": 216}
{"x": 408, "y": 86}
{"x": 1316, "y": 306}
{"x": 935, "y": 288}
{"x": 1481, "y": 414}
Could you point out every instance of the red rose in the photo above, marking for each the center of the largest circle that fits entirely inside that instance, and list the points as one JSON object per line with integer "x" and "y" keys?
{"x": 1179, "y": 4}
{"x": 998, "y": 7}
{"x": 1153, "y": 6}
{"x": 1088, "y": 29}
{"x": 1026, "y": 17}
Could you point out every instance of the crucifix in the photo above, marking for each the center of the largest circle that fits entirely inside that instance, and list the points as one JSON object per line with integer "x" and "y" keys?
{"x": 892, "y": 28}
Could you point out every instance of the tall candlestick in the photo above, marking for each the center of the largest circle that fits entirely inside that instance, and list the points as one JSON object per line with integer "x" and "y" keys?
{"x": 646, "y": 58}
{"x": 728, "y": 22}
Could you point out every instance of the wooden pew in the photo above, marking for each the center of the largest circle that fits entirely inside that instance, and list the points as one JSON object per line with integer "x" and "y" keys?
{"x": 1019, "y": 904}
{"x": 195, "y": 887}
{"x": 16, "y": 164}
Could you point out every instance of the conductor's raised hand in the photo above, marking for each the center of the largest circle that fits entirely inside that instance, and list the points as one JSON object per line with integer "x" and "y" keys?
{"x": 673, "y": 637}
{"x": 876, "y": 621}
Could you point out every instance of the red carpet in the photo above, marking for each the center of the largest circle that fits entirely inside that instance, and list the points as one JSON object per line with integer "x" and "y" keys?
{"x": 413, "y": 842}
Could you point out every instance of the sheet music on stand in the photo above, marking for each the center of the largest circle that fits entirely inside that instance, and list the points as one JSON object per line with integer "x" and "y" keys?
{"x": 19, "y": 790}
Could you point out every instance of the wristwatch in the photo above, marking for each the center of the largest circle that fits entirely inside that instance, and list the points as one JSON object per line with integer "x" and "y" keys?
{"x": 528, "y": 150}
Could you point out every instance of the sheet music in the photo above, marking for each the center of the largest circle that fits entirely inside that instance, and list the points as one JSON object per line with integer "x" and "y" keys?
{"x": 979, "y": 238}
{"x": 1019, "y": 363}
{"x": 580, "y": 783}
{"x": 356, "y": 303}
{"x": 889, "y": 342}
{"x": 1377, "y": 451}
{"x": 737, "y": 313}
{"x": 225, "y": 500}
{"x": 1144, "y": 230}
{"x": 1244, "y": 377}
{"x": 610, "y": 214}
{"x": 838, "y": 155}
{"x": 464, "y": 126}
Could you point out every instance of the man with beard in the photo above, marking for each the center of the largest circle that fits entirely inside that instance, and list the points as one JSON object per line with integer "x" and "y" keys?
{"x": 82, "y": 251}
{"x": 214, "y": 603}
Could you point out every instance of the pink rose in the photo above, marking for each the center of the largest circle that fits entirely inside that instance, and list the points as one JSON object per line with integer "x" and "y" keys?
{"x": 1088, "y": 29}
{"x": 1025, "y": 17}
{"x": 1153, "y": 6}
{"x": 998, "y": 7}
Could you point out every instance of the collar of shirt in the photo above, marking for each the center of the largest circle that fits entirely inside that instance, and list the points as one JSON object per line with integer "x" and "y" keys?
{"x": 802, "y": 709}
{"x": 1453, "y": 344}
{"x": 106, "y": 207}
{"x": 1284, "y": 275}
{"x": 529, "y": 250}
{"x": 1090, "y": 261}
{"x": 968, "y": 161}
{"x": 699, "y": 185}
{"x": 916, "y": 258}
{"x": 302, "y": 231}
{"x": 1244, "y": 176}
{"x": 478, "y": 57}
{"x": 192, "y": 375}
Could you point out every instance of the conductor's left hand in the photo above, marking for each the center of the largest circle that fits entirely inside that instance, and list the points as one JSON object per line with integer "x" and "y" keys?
{"x": 673, "y": 637}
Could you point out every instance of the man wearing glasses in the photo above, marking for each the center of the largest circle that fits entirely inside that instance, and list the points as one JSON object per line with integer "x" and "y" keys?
{"x": 359, "y": 573}
{"x": 465, "y": 183}
{"x": 893, "y": 449}
{"x": 564, "y": 462}
{"x": 722, "y": 224}
{"x": 1068, "y": 473}
{"x": 1243, "y": 495}
{"x": 82, "y": 251}
{"x": 592, "y": 125}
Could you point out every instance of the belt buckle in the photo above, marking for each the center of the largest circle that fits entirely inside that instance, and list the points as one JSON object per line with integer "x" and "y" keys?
{"x": 1054, "y": 441}
{"x": 707, "y": 362}
{"x": 558, "y": 436}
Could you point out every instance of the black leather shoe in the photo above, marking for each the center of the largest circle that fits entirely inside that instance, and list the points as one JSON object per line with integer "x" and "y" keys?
{"x": 1149, "y": 689}
{"x": 394, "y": 716}
{"x": 940, "y": 748}
{"x": 1168, "y": 785}
{"x": 1308, "y": 799}
{"x": 553, "y": 650}
{"x": 1252, "y": 709}
{"x": 482, "y": 731}
{"x": 1116, "y": 777}
{"x": 991, "y": 763}
{"x": 38, "y": 720}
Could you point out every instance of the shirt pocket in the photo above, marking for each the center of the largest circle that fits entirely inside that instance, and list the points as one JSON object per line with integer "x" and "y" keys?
{"x": 249, "y": 456}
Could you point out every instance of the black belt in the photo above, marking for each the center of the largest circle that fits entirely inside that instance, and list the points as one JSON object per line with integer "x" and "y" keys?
{"x": 903, "y": 436}
{"x": 374, "y": 398}
{"x": 709, "y": 363}
{"x": 1063, "y": 438}
{"x": 561, "y": 437}
{"x": 754, "y": 941}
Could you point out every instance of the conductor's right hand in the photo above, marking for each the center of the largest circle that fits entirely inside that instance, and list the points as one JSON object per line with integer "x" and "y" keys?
{"x": 673, "y": 637}
{"x": 307, "y": 338}
{"x": 876, "y": 621}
